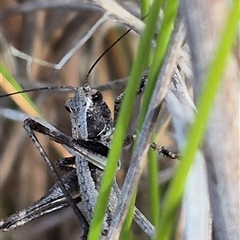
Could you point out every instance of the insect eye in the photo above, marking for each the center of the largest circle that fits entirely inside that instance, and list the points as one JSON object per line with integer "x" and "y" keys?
{"x": 97, "y": 97}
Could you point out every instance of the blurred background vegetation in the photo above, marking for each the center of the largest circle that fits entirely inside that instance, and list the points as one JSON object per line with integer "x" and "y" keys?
{"x": 48, "y": 33}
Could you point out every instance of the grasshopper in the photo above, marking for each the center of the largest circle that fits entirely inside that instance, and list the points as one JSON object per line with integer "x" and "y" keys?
{"x": 92, "y": 128}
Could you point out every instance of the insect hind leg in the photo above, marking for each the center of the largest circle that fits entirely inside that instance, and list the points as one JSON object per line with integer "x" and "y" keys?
{"x": 28, "y": 123}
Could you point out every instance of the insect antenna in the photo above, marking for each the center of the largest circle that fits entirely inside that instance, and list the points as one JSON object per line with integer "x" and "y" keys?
{"x": 105, "y": 51}
{"x": 70, "y": 87}
{"x": 67, "y": 88}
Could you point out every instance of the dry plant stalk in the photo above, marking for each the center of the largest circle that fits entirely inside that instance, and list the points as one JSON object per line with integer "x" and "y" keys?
{"x": 204, "y": 20}
{"x": 117, "y": 10}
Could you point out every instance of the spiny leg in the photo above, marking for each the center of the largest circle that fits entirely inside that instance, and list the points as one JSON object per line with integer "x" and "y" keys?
{"x": 131, "y": 138}
{"x": 52, "y": 201}
{"x": 71, "y": 145}
{"x": 140, "y": 219}
{"x": 160, "y": 149}
{"x": 164, "y": 151}
{"x": 56, "y": 176}
{"x": 47, "y": 203}
{"x": 59, "y": 137}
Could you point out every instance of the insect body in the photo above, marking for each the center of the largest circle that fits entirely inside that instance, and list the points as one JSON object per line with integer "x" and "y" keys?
{"x": 91, "y": 120}
{"x": 92, "y": 127}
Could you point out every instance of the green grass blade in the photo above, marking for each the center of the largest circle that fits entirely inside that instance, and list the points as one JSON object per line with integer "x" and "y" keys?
{"x": 126, "y": 231}
{"x": 164, "y": 36}
{"x": 145, "y": 6}
{"x": 9, "y": 84}
{"x": 196, "y": 131}
{"x": 170, "y": 12}
{"x": 122, "y": 123}
{"x": 154, "y": 190}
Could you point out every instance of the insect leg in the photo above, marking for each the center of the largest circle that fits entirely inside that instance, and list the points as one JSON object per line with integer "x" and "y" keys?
{"x": 119, "y": 98}
{"x": 164, "y": 151}
{"x": 73, "y": 146}
{"x": 31, "y": 134}
{"x": 57, "y": 136}
{"x": 53, "y": 200}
